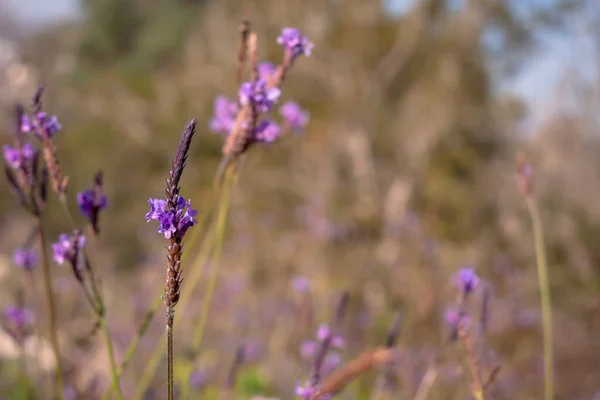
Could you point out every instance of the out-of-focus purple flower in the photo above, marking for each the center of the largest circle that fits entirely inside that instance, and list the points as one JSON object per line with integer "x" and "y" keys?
{"x": 308, "y": 349}
{"x": 295, "y": 116}
{"x": 295, "y": 42}
{"x": 25, "y": 125}
{"x": 324, "y": 332}
{"x": 17, "y": 157}
{"x": 48, "y": 125}
{"x": 225, "y": 113}
{"x": 68, "y": 247}
{"x": 306, "y": 391}
{"x": 172, "y": 221}
{"x": 18, "y": 317}
{"x": 456, "y": 318}
{"x": 267, "y": 132}
{"x": 266, "y": 71}
{"x": 25, "y": 258}
{"x": 199, "y": 379}
{"x": 259, "y": 94}
{"x": 331, "y": 362}
{"x": 90, "y": 203}
{"x": 467, "y": 280}
{"x": 301, "y": 284}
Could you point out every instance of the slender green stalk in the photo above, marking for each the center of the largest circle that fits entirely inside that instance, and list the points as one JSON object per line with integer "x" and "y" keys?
{"x": 111, "y": 356}
{"x": 542, "y": 267}
{"x": 212, "y": 283}
{"x": 98, "y": 300}
{"x": 51, "y": 307}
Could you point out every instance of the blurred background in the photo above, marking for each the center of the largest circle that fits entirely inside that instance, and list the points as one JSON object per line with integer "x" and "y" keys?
{"x": 405, "y": 174}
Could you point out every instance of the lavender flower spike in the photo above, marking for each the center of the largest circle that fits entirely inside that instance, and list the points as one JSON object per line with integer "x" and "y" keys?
{"x": 294, "y": 42}
{"x": 68, "y": 247}
{"x": 259, "y": 95}
{"x": 17, "y": 157}
{"x": 26, "y": 259}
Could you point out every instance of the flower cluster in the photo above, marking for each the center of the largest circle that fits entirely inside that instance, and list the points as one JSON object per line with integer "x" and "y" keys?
{"x": 172, "y": 220}
{"x": 262, "y": 94}
{"x": 467, "y": 280}
{"x": 18, "y": 157}
{"x": 92, "y": 201}
{"x": 68, "y": 248}
{"x": 309, "y": 348}
{"x": 26, "y": 259}
{"x": 294, "y": 42}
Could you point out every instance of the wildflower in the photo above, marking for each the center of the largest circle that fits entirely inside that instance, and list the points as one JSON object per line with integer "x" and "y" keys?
{"x": 267, "y": 132}
{"x": 25, "y": 125}
{"x": 467, "y": 280}
{"x": 225, "y": 113}
{"x": 68, "y": 247}
{"x": 266, "y": 70}
{"x": 301, "y": 284}
{"x": 18, "y": 157}
{"x": 259, "y": 95}
{"x": 294, "y": 42}
{"x": 18, "y": 317}
{"x": 25, "y": 258}
{"x": 92, "y": 201}
{"x": 295, "y": 116}
{"x": 48, "y": 126}
{"x": 324, "y": 332}
{"x": 172, "y": 221}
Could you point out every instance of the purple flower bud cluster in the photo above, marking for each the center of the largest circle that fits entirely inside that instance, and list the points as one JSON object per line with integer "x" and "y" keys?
{"x": 68, "y": 248}
{"x": 467, "y": 280}
{"x": 263, "y": 96}
{"x": 92, "y": 201}
{"x": 20, "y": 156}
{"x": 26, "y": 259}
{"x": 172, "y": 221}
{"x": 18, "y": 322}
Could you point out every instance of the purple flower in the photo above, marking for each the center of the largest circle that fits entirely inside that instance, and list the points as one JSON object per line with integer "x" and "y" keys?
{"x": 90, "y": 202}
{"x": 267, "y": 132}
{"x": 307, "y": 391}
{"x": 467, "y": 280}
{"x": 259, "y": 95}
{"x": 17, "y": 157}
{"x": 199, "y": 379}
{"x": 295, "y": 116}
{"x": 455, "y": 318}
{"x": 18, "y": 317}
{"x": 308, "y": 348}
{"x": 48, "y": 125}
{"x": 25, "y": 258}
{"x": 266, "y": 71}
{"x": 301, "y": 284}
{"x": 324, "y": 332}
{"x": 25, "y": 125}
{"x": 295, "y": 42}
{"x": 67, "y": 248}
{"x": 331, "y": 362}
{"x": 225, "y": 114}
{"x": 172, "y": 221}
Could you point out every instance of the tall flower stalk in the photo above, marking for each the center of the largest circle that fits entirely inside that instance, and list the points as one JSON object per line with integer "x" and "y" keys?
{"x": 525, "y": 182}
{"x": 175, "y": 216}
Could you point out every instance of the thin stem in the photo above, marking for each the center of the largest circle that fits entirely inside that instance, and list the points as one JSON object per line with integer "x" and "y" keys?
{"x": 111, "y": 355}
{"x": 51, "y": 307}
{"x": 212, "y": 283}
{"x": 542, "y": 268}
{"x": 170, "y": 357}
{"x": 426, "y": 383}
{"x": 192, "y": 281}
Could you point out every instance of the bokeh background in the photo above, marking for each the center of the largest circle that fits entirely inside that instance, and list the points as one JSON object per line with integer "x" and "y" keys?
{"x": 405, "y": 174}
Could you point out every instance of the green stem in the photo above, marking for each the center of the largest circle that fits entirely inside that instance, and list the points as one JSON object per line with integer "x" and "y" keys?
{"x": 212, "y": 283}
{"x": 542, "y": 267}
{"x": 111, "y": 356}
{"x": 51, "y": 307}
